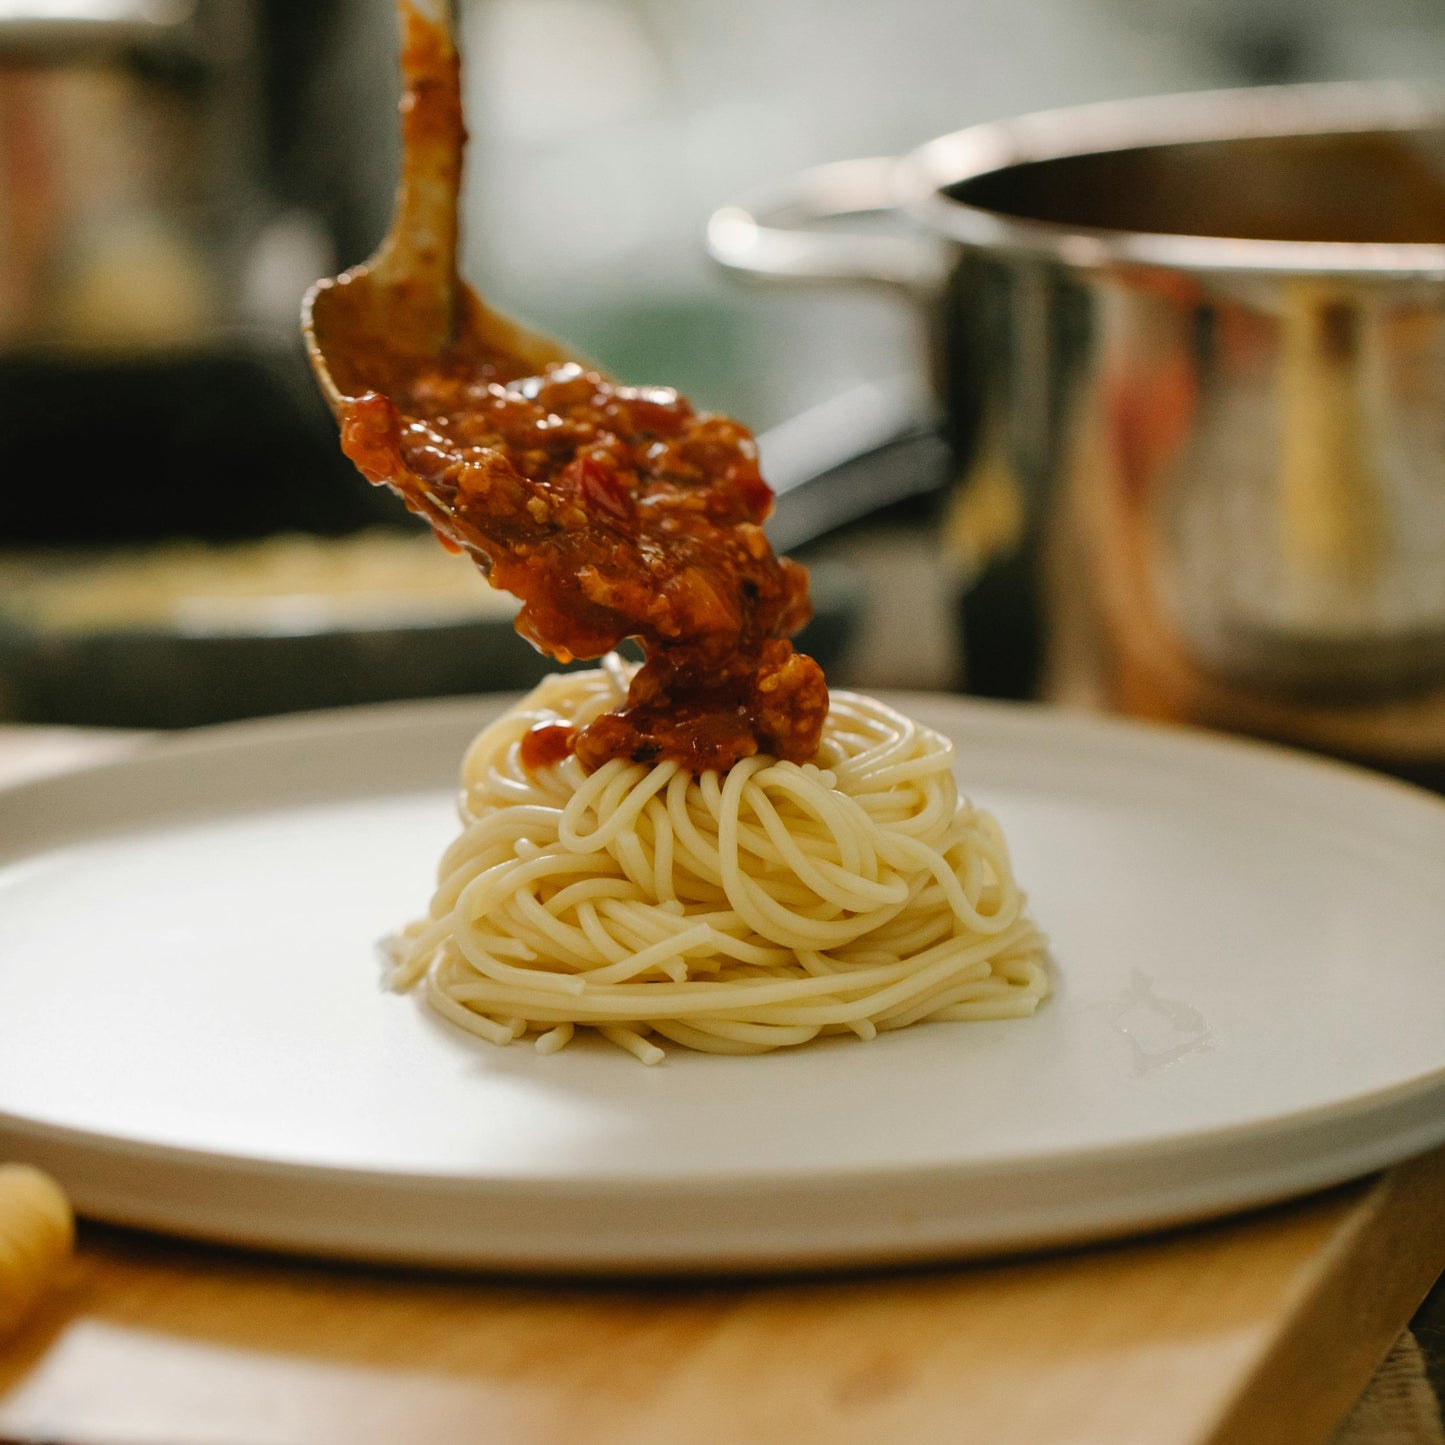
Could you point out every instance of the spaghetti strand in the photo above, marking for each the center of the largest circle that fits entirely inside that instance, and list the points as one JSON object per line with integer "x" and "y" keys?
{"x": 735, "y": 913}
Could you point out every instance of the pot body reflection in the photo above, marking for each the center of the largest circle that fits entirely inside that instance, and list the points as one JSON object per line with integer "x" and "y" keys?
{"x": 1192, "y": 354}
{"x": 1244, "y": 480}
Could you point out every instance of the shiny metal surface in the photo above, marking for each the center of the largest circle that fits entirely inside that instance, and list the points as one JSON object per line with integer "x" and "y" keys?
{"x": 1193, "y": 352}
{"x": 165, "y": 199}
{"x": 136, "y": 213}
{"x": 101, "y": 186}
{"x": 102, "y": 244}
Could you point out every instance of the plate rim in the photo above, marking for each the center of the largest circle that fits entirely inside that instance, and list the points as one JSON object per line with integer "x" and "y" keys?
{"x": 1401, "y": 1100}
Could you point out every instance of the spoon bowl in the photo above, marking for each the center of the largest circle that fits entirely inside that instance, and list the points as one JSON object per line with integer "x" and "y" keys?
{"x": 373, "y": 325}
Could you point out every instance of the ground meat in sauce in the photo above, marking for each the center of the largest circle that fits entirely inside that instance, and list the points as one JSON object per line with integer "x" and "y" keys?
{"x": 612, "y": 512}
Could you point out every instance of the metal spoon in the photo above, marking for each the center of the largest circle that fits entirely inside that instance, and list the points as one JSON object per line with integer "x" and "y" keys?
{"x": 407, "y": 304}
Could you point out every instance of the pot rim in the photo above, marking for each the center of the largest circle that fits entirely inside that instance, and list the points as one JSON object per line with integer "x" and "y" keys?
{"x": 921, "y": 178}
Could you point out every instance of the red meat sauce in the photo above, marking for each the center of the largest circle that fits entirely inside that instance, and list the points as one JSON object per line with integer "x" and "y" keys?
{"x": 612, "y": 512}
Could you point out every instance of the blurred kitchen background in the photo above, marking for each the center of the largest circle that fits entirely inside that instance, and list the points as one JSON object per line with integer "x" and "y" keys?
{"x": 173, "y": 173}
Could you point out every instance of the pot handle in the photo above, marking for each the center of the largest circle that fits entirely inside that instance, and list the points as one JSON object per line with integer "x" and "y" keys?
{"x": 764, "y": 236}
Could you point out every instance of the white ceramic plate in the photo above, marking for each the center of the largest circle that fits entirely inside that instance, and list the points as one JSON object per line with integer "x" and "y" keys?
{"x": 1250, "y": 955}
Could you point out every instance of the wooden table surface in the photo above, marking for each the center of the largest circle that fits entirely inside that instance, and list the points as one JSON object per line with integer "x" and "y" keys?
{"x": 1261, "y": 1329}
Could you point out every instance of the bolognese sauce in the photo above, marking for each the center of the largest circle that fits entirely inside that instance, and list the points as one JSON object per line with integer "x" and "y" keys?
{"x": 612, "y": 511}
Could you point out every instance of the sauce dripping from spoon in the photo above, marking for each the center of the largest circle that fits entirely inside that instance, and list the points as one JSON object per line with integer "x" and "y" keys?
{"x": 612, "y": 511}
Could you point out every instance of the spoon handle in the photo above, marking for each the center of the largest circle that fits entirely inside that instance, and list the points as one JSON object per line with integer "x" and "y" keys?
{"x": 422, "y": 243}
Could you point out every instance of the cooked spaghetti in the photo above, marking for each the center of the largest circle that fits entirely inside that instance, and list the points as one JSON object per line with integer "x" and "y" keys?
{"x": 732, "y": 912}
{"x": 705, "y": 849}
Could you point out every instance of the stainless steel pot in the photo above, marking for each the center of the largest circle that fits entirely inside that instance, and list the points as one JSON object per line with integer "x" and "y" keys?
{"x": 1191, "y": 350}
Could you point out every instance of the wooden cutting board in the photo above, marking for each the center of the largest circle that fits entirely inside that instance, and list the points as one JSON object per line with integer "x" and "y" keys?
{"x": 1258, "y": 1331}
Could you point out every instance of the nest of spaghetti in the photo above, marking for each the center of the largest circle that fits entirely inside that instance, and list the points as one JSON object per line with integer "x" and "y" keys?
{"x": 734, "y": 912}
